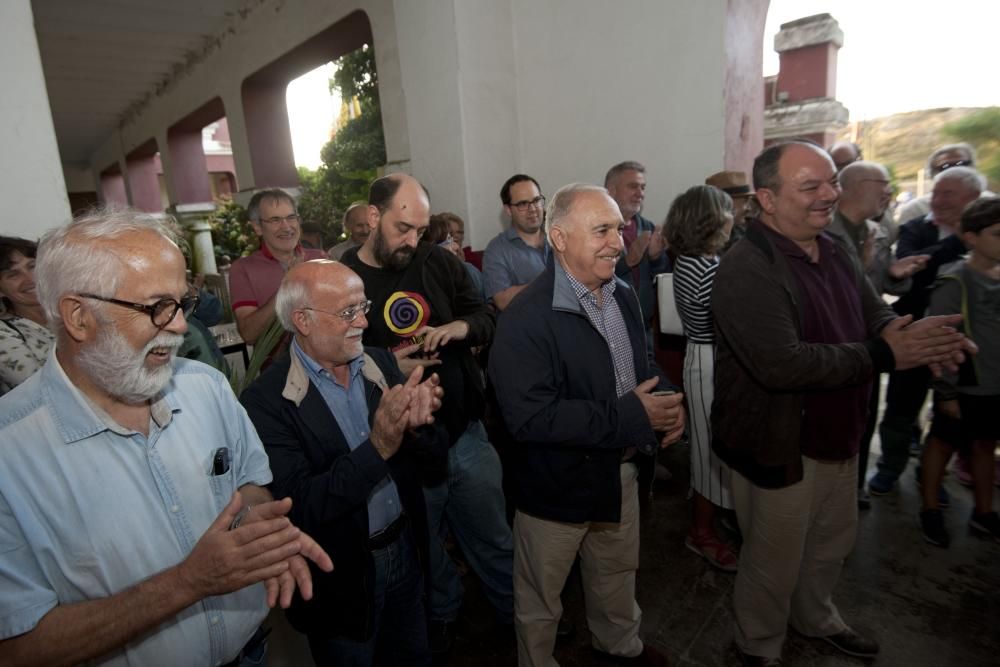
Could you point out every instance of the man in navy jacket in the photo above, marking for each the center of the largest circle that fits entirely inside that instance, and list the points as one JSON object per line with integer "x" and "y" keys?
{"x": 575, "y": 385}
{"x": 347, "y": 449}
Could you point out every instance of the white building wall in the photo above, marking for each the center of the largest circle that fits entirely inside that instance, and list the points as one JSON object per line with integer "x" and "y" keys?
{"x": 32, "y": 177}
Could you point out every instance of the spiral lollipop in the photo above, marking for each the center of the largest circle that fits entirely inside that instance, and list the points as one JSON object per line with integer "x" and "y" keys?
{"x": 406, "y": 312}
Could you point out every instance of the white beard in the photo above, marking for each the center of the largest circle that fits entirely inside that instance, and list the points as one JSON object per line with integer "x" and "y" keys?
{"x": 114, "y": 366}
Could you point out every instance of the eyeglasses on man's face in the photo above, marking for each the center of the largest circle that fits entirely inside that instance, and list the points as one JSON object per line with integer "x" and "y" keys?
{"x": 524, "y": 205}
{"x": 160, "y": 313}
{"x": 276, "y": 220}
{"x": 348, "y": 314}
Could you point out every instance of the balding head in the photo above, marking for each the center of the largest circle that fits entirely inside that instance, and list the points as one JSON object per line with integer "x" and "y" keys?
{"x": 866, "y": 190}
{"x": 954, "y": 189}
{"x": 844, "y": 153}
{"x": 323, "y": 303}
{"x": 398, "y": 213}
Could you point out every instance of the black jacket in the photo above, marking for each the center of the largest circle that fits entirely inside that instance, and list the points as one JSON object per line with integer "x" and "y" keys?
{"x": 920, "y": 237}
{"x": 329, "y": 485}
{"x": 555, "y": 383}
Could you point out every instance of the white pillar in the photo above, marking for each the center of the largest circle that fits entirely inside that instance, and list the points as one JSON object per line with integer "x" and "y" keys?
{"x": 29, "y": 161}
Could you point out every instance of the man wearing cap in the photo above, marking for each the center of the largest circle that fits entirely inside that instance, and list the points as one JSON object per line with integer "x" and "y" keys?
{"x": 734, "y": 184}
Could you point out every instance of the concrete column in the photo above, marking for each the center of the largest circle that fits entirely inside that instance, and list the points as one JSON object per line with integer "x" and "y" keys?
{"x": 144, "y": 185}
{"x": 194, "y": 219}
{"x": 187, "y": 173}
{"x": 113, "y": 189}
{"x": 463, "y": 123}
{"x": 744, "y": 98}
{"x": 265, "y": 116}
{"x": 29, "y": 161}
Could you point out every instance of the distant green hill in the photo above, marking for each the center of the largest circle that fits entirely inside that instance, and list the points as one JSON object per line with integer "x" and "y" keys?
{"x": 903, "y": 141}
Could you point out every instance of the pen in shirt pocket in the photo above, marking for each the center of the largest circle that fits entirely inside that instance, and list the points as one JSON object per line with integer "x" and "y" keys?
{"x": 220, "y": 461}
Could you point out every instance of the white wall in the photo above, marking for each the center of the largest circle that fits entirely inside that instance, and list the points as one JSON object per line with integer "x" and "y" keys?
{"x": 32, "y": 179}
{"x": 601, "y": 82}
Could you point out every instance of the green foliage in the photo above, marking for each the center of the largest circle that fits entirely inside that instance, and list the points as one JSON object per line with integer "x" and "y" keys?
{"x": 351, "y": 159}
{"x": 982, "y": 130}
{"x": 231, "y": 231}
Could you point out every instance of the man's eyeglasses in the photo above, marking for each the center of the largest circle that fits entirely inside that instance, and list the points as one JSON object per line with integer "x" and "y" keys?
{"x": 277, "y": 219}
{"x": 160, "y": 313}
{"x": 948, "y": 165}
{"x": 523, "y": 206}
{"x": 348, "y": 314}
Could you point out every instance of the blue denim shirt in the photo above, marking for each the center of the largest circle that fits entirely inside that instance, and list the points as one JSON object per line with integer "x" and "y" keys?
{"x": 509, "y": 261}
{"x": 88, "y": 508}
{"x": 349, "y": 407}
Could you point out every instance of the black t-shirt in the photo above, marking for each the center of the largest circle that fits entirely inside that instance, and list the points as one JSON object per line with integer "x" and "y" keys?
{"x": 401, "y": 307}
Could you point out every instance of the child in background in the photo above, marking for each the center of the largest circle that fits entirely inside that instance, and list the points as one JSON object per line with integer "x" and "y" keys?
{"x": 966, "y": 406}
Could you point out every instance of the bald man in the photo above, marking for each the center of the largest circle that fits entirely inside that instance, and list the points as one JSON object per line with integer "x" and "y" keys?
{"x": 345, "y": 431}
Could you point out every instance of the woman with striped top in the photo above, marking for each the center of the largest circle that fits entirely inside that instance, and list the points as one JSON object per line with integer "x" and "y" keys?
{"x": 697, "y": 227}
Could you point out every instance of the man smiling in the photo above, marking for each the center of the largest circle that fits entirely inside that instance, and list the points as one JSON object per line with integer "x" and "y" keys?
{"x": 254, "y": 280}
{"x": 134, "y": 523}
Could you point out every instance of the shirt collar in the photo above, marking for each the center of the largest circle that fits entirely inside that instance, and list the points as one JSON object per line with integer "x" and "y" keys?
{"x": 790, "y": 248}
{"x": 77, "y": 417}
{"x": 264, "y": 250}
{"x": 317, "y": 372}
{"x": 567, "y": 289}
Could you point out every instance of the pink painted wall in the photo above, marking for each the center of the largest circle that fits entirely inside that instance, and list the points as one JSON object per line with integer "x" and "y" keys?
{"x": 744, "y": 96}
{"x": 113, "y": 188}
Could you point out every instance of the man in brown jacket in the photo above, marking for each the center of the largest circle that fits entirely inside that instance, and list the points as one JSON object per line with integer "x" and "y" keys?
{"x": 800, "y": 335}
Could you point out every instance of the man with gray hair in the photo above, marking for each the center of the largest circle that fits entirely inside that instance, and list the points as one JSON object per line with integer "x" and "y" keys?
{"x": 254, "y": 280}
{"x": 577, "y": 389}
{"x": 134, "y": 523}
{"x": 355, "y": 223}
{"x": 643, "y": 251}
{"x": 936, "y": 235}
{"x": 345, "y": 432}
{"x": 944, "y": 158}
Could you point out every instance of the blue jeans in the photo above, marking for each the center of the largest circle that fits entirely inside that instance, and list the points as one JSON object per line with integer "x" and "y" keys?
{"x": 400, "y": 636}
{"x": 470, "y": 502}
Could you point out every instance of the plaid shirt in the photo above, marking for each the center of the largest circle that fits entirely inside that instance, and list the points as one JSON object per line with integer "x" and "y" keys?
{"x": 607, "y": 319}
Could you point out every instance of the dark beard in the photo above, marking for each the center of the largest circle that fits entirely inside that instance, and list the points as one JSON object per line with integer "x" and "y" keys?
{"x": 396, "y": 260}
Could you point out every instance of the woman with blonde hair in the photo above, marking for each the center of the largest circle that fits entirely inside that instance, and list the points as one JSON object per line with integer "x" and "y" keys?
{"x": 697, "y": 227}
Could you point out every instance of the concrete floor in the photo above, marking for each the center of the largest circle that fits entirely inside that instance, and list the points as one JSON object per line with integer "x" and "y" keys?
{"x": 927, "y": 606}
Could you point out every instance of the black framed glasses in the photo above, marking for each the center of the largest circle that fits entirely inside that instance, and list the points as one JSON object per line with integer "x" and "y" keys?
{"x": 348, "y": 314}
{"x": 160, "y": 313}
{"x": 523, "y": 206}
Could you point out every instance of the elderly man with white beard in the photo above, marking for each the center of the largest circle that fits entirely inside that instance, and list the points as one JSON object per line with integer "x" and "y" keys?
{"x": 135, "y": 528}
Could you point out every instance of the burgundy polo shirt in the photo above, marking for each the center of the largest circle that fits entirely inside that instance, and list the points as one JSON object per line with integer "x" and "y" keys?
{"x": 254, "y": 279}
{"x": 831, "y": 312}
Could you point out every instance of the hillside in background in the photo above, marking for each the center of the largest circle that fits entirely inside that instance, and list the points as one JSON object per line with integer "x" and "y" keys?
{"x": 903, "y": 141}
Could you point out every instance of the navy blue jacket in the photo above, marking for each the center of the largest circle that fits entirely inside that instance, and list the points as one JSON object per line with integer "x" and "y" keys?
{"x": 920, "y": 237}
{"x": 554, "y": 379}
{"x": 329, "y": 485}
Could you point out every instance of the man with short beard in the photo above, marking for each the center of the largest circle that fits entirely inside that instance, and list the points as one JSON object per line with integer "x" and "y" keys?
{"x": 134, "y": 523}
{"x": 426, "y": 309}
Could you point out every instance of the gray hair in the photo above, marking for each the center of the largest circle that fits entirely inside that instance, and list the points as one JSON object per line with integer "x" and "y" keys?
{"x": 74, "y": 258}
{"x": 274, "y": 194}
{"x": 962, "y": 147}
{"x": 351, "y": 209}
{"x": 562, "y": 201}
{"x": 967, "y": 176}
{"x": 621, "y": 168}
{"x": 293, "y": 294}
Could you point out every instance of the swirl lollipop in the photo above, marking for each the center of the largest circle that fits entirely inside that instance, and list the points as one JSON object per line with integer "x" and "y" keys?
{"x": 406, "y": 312}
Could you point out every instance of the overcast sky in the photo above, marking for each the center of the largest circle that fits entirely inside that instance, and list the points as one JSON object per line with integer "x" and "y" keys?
{"x": 904, "y": 55}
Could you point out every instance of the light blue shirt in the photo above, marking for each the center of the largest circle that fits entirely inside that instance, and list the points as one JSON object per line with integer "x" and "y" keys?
{"x": 509, "y": 261}
{"x": 350, "y": 408}
{"x": 88, "y": 508}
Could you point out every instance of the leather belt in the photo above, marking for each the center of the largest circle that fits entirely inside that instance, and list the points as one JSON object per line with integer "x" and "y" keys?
{"x": 387, "y": 535}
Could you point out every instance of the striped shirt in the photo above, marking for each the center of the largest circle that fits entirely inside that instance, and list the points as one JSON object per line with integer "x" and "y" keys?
{"x": 693, "y": 278}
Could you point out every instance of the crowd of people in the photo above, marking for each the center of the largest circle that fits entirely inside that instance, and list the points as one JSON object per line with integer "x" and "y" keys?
{"x": 505, "y": 408}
